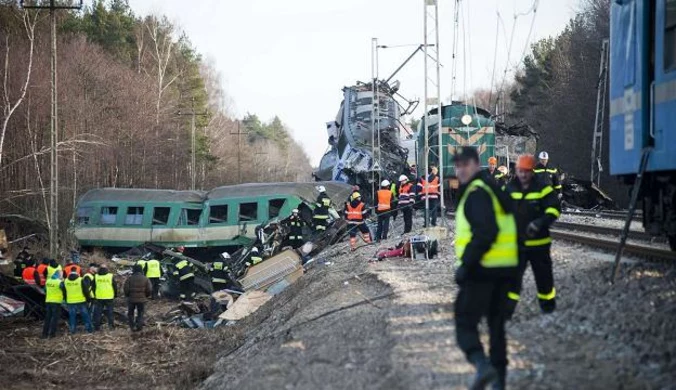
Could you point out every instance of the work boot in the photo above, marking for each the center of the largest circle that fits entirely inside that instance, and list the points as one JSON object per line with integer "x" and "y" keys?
{"x": 547, "y": 306}
{"x": 485, "y": 374}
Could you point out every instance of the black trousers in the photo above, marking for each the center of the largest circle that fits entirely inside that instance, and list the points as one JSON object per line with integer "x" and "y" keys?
{"x": 137, "y": 322}
{"x": 187, "y": 288}
{"x": 52, "y": 314}
{"x": 156, "y": 287}
{"x": 102, "y": 305}
{"x": 407, "y": 212}
{"x": 383, "y": 226}
{"x": 434, "y": 212}
{"x": 540, "y": 261}
{"x": 478, "y": 299}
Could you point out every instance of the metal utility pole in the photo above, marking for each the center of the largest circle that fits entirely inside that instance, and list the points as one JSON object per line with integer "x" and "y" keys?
{"x": 239, "y": 152}
{"x": 432, "y": 86}
{"x": 193, "y": 142}
{"x": 375, "y": 123}
{"x": 54, "y": 130}
{"x": 597, "y": 140}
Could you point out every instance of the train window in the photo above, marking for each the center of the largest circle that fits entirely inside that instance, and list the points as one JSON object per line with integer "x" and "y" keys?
{"x": 670, "y": 36}
{"x": 275, "y": 207}
{"x": 248, "y": 212}
{"x": 84, "y": 215}
{"x": 218, "y": 214}
{"x": 189, "y": 217}
{"x": 134, "y": 216}
{"x": 108, "y": 215}
{"x": 161, "y": 216}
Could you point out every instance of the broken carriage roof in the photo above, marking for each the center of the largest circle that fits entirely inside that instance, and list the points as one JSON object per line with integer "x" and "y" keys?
{"x": 337, "y": 192}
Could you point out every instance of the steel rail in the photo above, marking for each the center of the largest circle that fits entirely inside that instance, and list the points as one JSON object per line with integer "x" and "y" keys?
{"x": 603, "y": 243}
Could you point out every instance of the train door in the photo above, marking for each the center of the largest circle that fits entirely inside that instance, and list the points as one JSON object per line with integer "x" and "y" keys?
{"x": 631, "y": 77}
{"x": 663, "y": 92}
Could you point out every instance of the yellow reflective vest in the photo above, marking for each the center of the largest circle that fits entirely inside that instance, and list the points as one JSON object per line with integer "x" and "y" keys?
{"x": 104, "y": 286}
{"x": 504, "y": 252}
{"x": 153, "y": 269}
{"x": 74, "y": 292}
{"x": 53, "y": 293}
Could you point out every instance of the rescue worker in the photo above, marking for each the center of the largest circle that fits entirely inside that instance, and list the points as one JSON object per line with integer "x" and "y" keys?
{"x": 137, "y": 289}
{"x": 88, "y": 281}
{"x": 492, "y": 166}
{"x": 186, "y": 278}
{"x": 53, "y": 300}
{"x": 502, "y": 178}
{"x": 220, "y": 278}
{"x": 153, "y": 271}
{"x": 142, "y": 262}
{"x": 40, "y": 274}
{"x": 548, "y": 174}
{"x": 105, "y": 290}
{"x": 76, "y": 296}
{"x": 70, "y": 266}
{"x": 429, "y": 188}
{"x": 20, "y": 262}
{"x": 54, "y": 267}
{"x": 383, "y": 210}
{"x": 536, "y": 207}
{"x": 487, "y": 259}
{"x": 406, "y": 200}
{"x": 355, "y": 188}
{"x": 395, "y": 201}
{"x": 320, "y": 214}
{"x": 355, "y": 214}
{"x": 296, "y": 224}
{"x": 28, "y": 273}
{"x": 253, "y": 257}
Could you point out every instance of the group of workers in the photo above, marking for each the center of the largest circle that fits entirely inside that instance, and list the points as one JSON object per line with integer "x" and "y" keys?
{"x": 502, "y": 225}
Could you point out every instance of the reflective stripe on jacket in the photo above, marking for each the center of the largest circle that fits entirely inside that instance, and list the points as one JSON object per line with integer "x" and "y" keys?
{"x": 504, "y": 251}
{"x": 28, "y": 275}
{"x": 184, "y": 270}
{"x": 355, "y": 214}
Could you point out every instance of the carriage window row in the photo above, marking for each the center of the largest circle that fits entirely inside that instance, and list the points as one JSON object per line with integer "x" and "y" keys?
{"x": 187, "y": 217}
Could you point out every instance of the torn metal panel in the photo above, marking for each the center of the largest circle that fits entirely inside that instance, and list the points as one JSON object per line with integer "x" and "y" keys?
{"x": 585, "y": 194}
{"x": 285, "y": 266}
{"x": 245, "y": 305}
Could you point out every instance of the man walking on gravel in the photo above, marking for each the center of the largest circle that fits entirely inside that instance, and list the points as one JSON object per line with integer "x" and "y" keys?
{"x": 536, "y": 207}
{"x": 487, "y": 259}
{"x": 138, "y": 290}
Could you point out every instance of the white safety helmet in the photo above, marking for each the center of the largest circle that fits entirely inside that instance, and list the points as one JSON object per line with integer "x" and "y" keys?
{"x": 294, "y": 211}
{"x": 321, "y": 188}
{"x": 403, "y": 178}
{"x": 254, "y": 250}
{"x": 385, "y": 183}
{"x": 543, "y": 155}
{"x": 225, "y": 255}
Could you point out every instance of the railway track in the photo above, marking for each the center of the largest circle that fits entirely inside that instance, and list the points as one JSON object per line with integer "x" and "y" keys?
{"x": 644, "y": 251}
{"x": 619, "y": 215}
{"x": 608, "y": 231}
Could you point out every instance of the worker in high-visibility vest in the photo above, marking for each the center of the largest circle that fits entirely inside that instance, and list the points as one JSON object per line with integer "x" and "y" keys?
{"x": 429, "y": 188}
{"x": 355, "y": 214}
{"x": 383, "y": 209}
{"x": 406, "y": 201}
{"x": 53, "y": 300}
{"x": 487, "y": 255}
{"x": 186, "y": 278}
{"x": 76, "y": 295}
{"x": 153, "y": 271}
{"x": 28, "y": 273}
{"x": 105, "y": 290}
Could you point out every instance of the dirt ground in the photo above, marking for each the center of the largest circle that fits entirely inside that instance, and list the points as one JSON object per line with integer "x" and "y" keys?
{"x": 353, "y": 324}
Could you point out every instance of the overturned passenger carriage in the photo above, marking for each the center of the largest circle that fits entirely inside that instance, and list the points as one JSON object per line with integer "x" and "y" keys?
{"x": 223, "y": 217}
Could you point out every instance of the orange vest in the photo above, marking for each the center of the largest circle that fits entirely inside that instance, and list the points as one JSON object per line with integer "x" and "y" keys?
{"x": 405, "y": 194}
{"x": 355, "y": 213}
{"x": 42, "y": 268}
{"x": 67, "y": 269}
{"x": 384, "y": 200}
{"x": 432, "y": 188}
{"x": 28, "y": 275}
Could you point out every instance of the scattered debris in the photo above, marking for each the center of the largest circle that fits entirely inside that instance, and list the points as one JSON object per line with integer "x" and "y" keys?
{"x": 10, "y": 307}
{"x": 245, "y": 305}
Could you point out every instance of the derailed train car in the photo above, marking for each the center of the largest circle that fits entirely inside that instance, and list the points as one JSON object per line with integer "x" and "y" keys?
{"x": 223, "y": 217}
{"x": 351, "y": 138}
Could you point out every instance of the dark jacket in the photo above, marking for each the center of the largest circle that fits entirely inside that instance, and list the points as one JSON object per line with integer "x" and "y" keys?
{"x": 322, "y": 205}
{"x": 538, "y": 203}
{"x": 138, "y": 288}
{"x": 548, "y": 175}
{"x": 102, "y": 271}
{"x": 480, "y": 214}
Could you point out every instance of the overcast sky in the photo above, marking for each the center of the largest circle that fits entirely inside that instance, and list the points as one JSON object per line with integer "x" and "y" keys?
{"x": 292, "y": 57}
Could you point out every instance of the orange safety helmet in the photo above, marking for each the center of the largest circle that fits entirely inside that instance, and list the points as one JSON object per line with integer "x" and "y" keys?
{"x": 525, "y": 161}
{"x": 493, "y": 160}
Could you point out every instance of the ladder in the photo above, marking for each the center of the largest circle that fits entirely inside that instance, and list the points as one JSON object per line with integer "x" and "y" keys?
{"x": 599, "y": 121}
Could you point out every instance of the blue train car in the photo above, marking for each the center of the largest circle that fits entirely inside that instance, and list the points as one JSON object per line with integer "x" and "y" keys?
{"x": 643, "y": 105}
